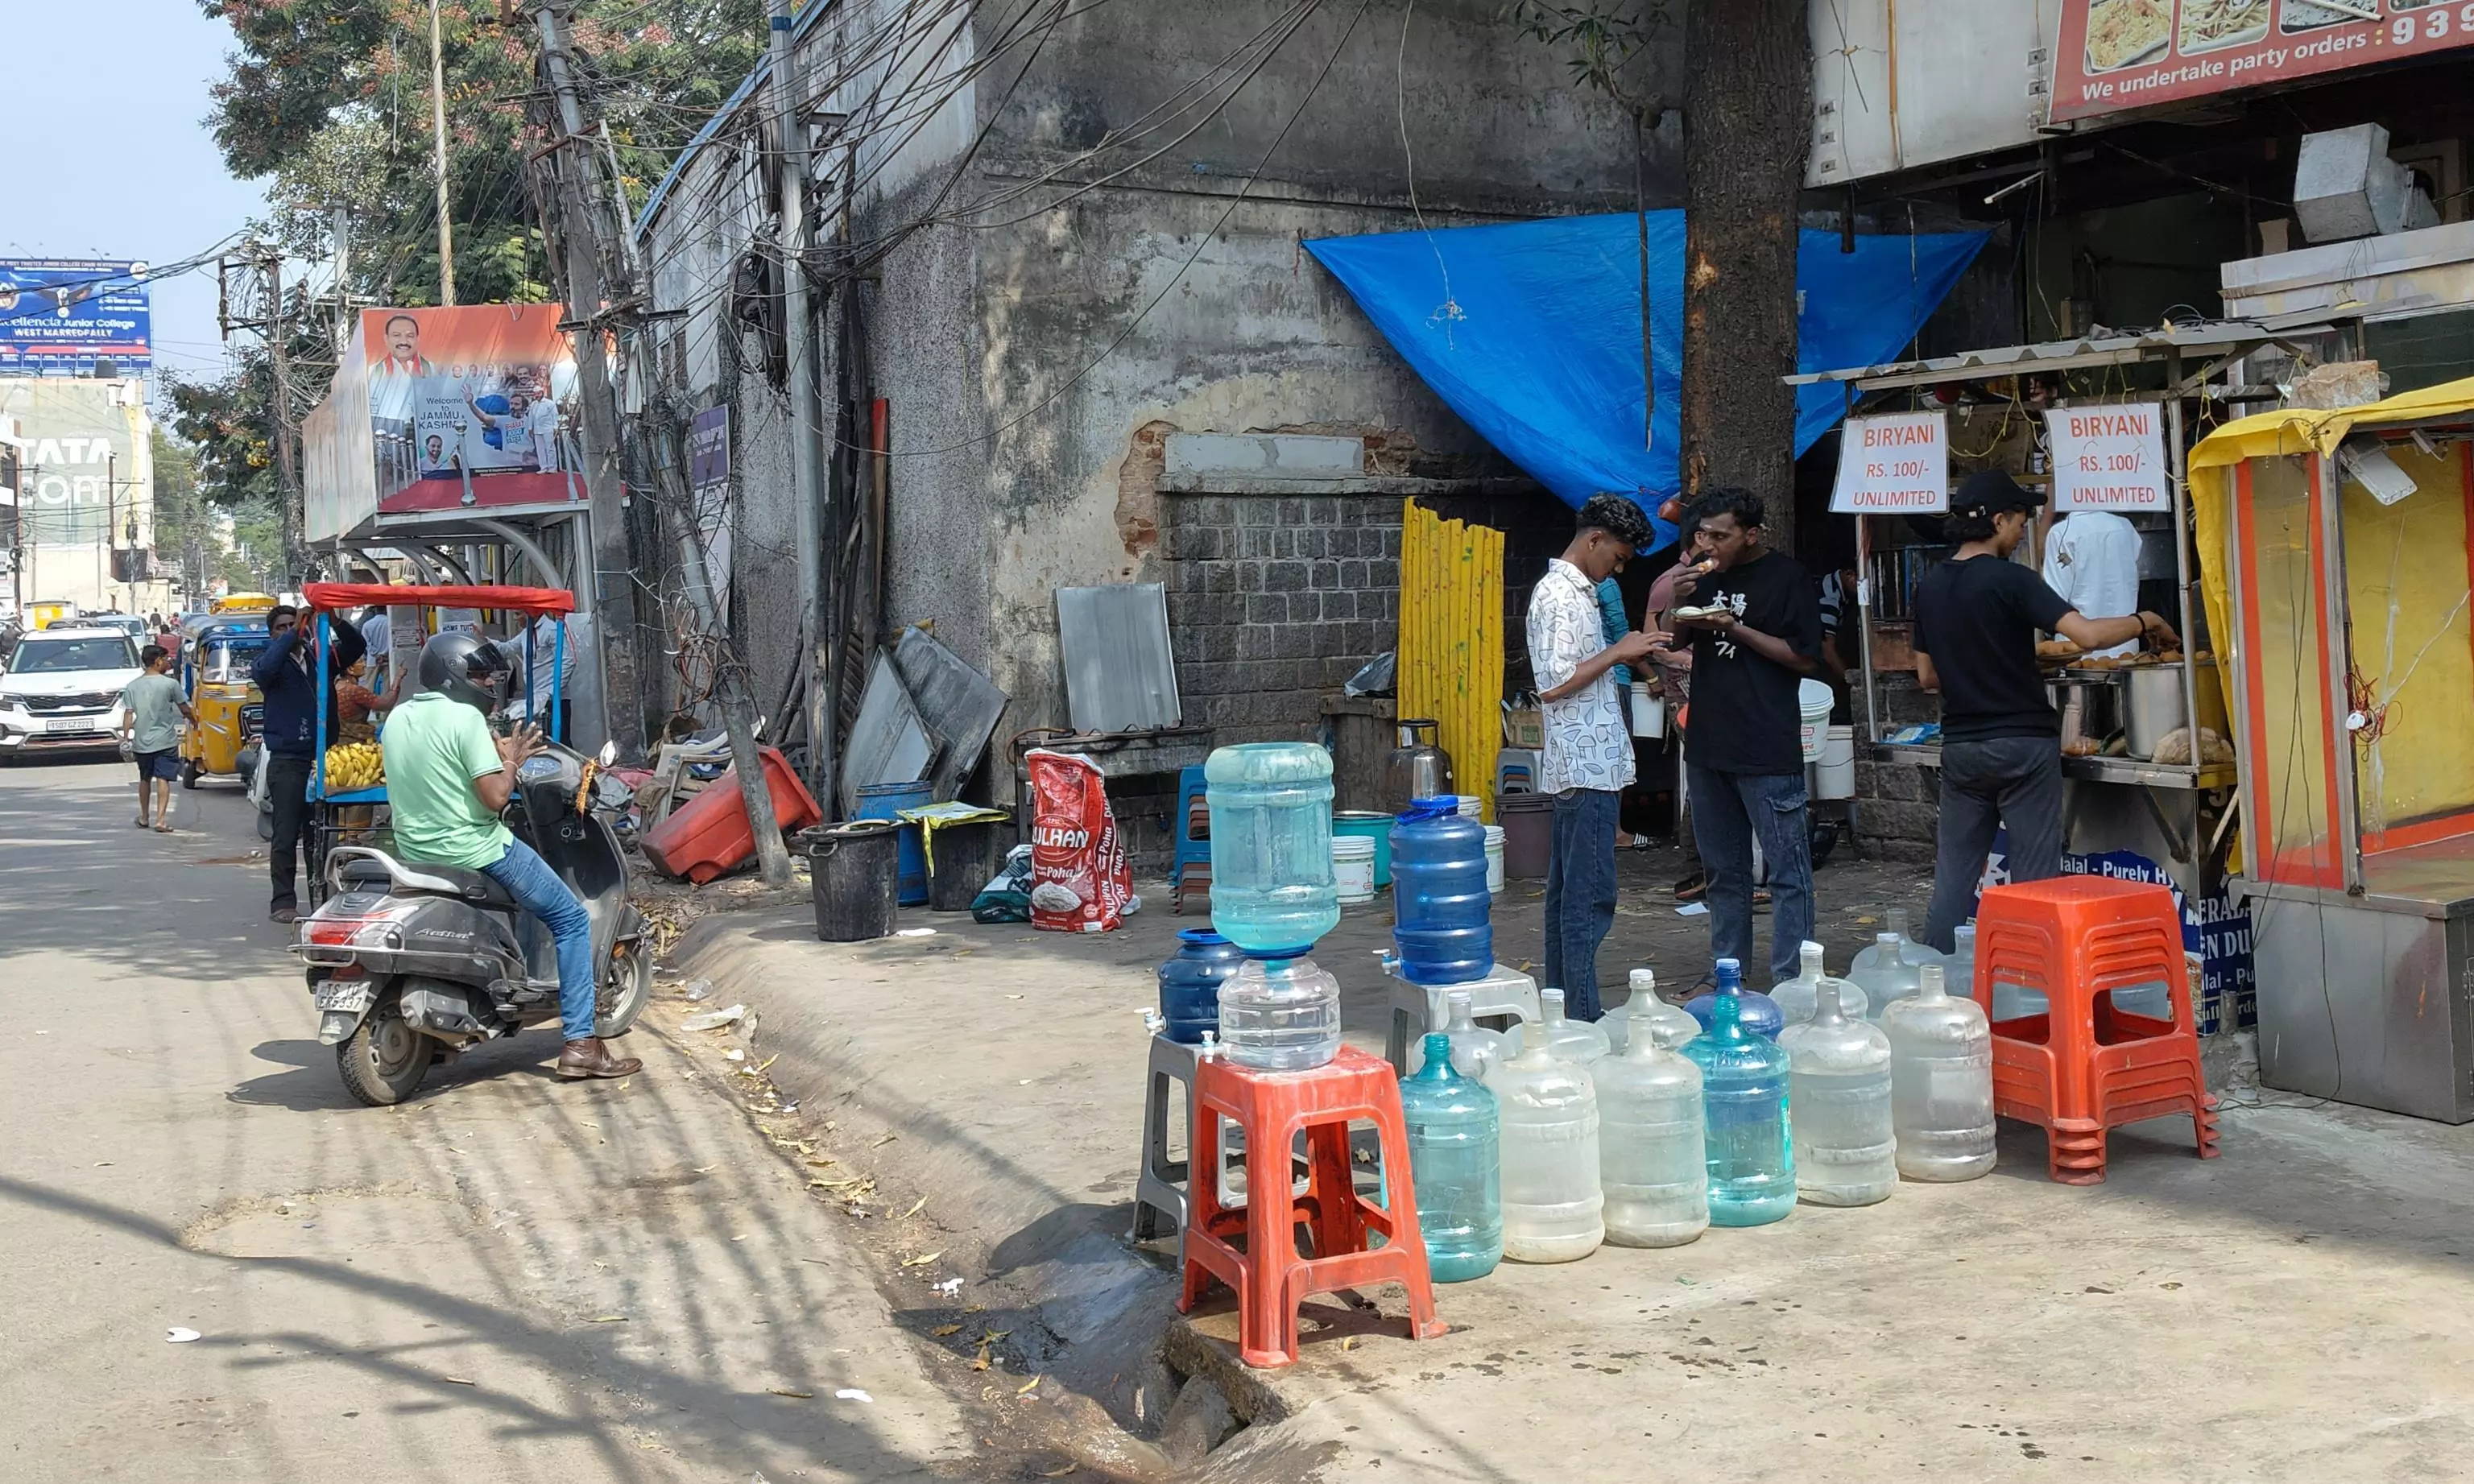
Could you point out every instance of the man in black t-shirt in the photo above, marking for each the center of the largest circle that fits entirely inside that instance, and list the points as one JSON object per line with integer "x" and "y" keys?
{"x": 1754, "y": 627}
{"x": 1977, "y": 620}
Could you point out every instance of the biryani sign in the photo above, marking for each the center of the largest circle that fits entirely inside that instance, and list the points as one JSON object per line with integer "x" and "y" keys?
{"x": 2129, "y": 53}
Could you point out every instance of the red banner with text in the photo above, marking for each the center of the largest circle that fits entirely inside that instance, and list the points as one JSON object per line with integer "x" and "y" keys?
{"x": 2127, "y": 53}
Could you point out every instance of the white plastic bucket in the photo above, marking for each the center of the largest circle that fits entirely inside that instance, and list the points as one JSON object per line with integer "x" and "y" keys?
{"x": 1352, "y": 868}
{"x": 1470, "y": 805}
{"x": 1494, "y": 860}
{"x": 1815, "y": 699}
{"x": 1836, "y": 771}
{"x": 1648, "y": 712}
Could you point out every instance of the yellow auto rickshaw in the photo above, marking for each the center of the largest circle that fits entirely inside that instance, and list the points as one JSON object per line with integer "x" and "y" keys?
{"x": 239, "y": 604}
{"x": 215, "y": 672}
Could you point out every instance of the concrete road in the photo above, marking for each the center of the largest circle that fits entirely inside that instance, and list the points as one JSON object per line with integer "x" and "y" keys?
{"x": 510, "y": 1279}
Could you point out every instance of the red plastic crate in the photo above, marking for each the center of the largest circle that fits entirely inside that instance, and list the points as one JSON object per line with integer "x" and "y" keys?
{"x": 708, "y": 835}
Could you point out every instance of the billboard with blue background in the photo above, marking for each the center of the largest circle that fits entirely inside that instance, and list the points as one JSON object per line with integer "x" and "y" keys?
{"x": 60, "y": 316}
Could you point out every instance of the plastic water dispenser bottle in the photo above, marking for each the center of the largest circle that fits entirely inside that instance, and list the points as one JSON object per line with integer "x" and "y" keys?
{"x": 1273, "y": 890}
{"x": 1941, "y": 1093}
{"x": 1759, "y": 1013}
{"x": 1846, "y": 1149}
{"x": 1279, "y": 1014}
{"x": 1795, "y": 998}
{"x": 1574, "y": 1040}
{"x": 1552, "y": 1206}
{"x": 1744, "y": 1098}
{"x": 1439, "y": 906}
{"x": 1455, "y": 1165}
{"x": 1653, "y": 1160}
{"x": 1189, "y": 983}
{"x": 1669, "y": 1025}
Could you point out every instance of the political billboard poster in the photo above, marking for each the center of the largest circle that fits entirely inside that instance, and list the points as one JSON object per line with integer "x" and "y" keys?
{"x": 469, "y": 407}
{"x": 60, "y": 316}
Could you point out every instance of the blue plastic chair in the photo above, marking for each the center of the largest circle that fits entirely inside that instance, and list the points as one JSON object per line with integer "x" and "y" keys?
{"x": 1191, "y": 849}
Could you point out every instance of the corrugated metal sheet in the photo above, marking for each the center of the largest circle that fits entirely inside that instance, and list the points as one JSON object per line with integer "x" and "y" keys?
{"x": 1451, "y": 640}
{"x": 1118, "y": 674}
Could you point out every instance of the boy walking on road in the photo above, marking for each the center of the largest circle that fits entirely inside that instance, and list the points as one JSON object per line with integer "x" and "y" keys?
{"x": 152, "y": 710}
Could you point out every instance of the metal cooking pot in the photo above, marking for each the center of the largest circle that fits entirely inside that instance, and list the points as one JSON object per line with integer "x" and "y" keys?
{"x": 2153, "y": 706}
{"x": 1418, "y": 770}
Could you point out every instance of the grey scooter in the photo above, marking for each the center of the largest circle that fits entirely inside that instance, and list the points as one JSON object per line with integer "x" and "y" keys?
{"x": 411, "y": 964}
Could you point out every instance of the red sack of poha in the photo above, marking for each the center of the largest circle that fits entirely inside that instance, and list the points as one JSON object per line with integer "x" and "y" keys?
{"x": 1081, "y": 880}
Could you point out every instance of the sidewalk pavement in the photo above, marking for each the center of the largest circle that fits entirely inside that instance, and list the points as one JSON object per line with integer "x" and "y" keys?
{"x": 2264, "y": 1315}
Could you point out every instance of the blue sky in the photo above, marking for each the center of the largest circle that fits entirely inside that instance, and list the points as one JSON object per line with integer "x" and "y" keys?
{"x": 108, "y": 158}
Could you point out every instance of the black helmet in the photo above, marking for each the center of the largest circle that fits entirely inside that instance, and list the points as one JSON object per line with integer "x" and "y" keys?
{"x": 462, "y": 668}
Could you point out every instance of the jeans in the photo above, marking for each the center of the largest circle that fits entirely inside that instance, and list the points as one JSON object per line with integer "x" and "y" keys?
{"x": 1727, "y": 810}
{"x": 287, "y": 787}
{"x": 530, "y": 881}
{"x": 2003, "y": 781}
{"x": 1580, "y": 895}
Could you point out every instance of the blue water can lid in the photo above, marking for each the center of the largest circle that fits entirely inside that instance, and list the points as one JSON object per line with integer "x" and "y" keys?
{"x": 1200, "y": 938}
{"x": 1442, "y": 805}
{"x": 1278, "y": 955}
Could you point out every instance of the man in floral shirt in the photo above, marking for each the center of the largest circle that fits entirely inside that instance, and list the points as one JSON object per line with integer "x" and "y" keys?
{"x": 1588, "y": 748}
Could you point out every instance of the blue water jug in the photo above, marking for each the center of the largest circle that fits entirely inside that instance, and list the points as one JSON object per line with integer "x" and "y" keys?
{"x": 1189, "y": 983}
{"x": 1744, "y": 1096}
{"x": 1273, "y": 892}
{"x": 1439, "y": 898}
{"x": 1760, "y": 1013}
{"x": 1455, "y": 1166}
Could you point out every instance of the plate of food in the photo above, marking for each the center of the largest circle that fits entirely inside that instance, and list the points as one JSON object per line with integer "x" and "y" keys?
{"x": 2294, "y": 16}
{"x": 2212, "y": 25}
{"x": 2124, "y": 33}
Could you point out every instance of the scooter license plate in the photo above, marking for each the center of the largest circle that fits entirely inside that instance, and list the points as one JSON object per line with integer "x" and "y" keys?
{"x": 349, "y": 996}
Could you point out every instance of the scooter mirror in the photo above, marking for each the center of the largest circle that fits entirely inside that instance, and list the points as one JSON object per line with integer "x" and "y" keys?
{"x": 609, "y": 753}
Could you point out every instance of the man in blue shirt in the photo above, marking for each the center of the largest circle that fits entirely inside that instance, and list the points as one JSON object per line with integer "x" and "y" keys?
{"x": 286, "y": 676}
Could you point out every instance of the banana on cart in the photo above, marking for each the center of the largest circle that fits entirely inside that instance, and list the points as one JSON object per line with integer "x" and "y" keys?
{"x": 354, "y": 765}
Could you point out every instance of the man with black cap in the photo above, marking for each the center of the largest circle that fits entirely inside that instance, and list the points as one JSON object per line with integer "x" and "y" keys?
{"x": 1978, "y": 616}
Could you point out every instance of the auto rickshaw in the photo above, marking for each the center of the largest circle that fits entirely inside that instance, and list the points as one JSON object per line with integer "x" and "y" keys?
{"x": 239, "y": 604}
{"x": 215, "y": 672}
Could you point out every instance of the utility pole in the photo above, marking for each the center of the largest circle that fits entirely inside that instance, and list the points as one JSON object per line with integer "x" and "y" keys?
{"x": 807, "y": 472}
{"x": 438, "y": 156}
{"x": 287, "y": 477}
{"x": 621, "y": 697}
{"x": 729, "y": 678}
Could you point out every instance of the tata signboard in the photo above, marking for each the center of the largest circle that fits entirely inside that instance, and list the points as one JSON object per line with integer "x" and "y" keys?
{"x": 60, "y": 316}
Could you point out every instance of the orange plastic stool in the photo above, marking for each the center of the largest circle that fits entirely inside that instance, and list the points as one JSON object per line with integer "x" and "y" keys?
{"x": 2085, "y": 1066}
{"x": 1270, "y": 1277}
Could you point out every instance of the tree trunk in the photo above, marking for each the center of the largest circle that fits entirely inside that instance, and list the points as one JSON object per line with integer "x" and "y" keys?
{"x": 1748, "y": 124}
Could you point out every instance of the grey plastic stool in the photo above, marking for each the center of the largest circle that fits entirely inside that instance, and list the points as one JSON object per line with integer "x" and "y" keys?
{"x": 1505, "y": 994}
{"x": 1159, "y": 1194}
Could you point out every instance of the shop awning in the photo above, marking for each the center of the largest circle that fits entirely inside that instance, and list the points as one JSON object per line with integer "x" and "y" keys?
{"x": 2307, "y": 430}
{"x": 1531, "y": 332}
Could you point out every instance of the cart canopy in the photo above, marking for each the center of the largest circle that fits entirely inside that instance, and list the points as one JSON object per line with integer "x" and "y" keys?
{"x": 328, "y": 596}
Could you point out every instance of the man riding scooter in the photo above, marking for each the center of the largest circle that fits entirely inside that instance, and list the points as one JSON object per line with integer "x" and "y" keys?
{"x": 447, "y": 778}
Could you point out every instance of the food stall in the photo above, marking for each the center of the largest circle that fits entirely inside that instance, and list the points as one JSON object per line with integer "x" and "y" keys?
{"x": 2099, "y": 422}
{"x": 2348, "y": 546}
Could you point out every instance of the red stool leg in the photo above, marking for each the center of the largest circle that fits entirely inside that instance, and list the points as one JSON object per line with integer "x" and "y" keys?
{"x": 1203, "y": 1203}
{"x": 1392, "y": 1128}
{"x": 1337, "y": 1226}
{"x": 1265, "y": 1318}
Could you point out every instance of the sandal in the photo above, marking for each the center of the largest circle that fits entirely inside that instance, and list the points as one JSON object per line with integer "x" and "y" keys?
{"x": 163, "y": 829}
{"x": 1692, "y": 887}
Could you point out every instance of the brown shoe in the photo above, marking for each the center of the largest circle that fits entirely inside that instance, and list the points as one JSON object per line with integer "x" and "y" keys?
{"x": 589, "y": 1057}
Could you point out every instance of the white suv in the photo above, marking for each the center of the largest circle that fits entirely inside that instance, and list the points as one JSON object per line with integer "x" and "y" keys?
{"x": 62, "y": 692}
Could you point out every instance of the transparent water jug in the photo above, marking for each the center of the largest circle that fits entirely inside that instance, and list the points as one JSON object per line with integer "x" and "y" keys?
{"x": 1884, "y": 972}
{"x": 1271, "y": 884}
{"x": 1941, "y": 1083}
{"x": 1653, "y": 1148}
{"x": 1475, "y": 1049}
{"x": 1758, "y": 1012}
{"x": 1743, "y": 1097}
{"x": 1845, "y": 1147}
{"x": 1552, "y": 1206}
{"x": 1574, "y": 1040}
{"x": 1669, "y": 1025}
{"x": 1795, "y": 997}
{"x": 1279, "y": 1014}
{"x": 1440, "y": 905}
{"x": 1455, "y": 1165}
{"x": 1189, "y": 983}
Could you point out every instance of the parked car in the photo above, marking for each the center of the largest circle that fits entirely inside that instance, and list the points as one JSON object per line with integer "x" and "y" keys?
{"x": 61, "y": 690}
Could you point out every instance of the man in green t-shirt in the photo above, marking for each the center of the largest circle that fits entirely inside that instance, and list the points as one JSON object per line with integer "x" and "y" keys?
{"x": 446, "y": 779}
{"x": 152, "y": 709}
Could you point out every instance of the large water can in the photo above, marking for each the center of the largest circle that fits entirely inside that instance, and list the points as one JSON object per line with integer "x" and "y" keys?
{"x": 1574, "y": 1040}
{"x": 1440, "y": 905}
{"x": 1273, "y": 890}
{"x": 1552, "y": 1206}
{"x": 1886, "y": 971}
{"x": 1475, "y": 1049}
{"x": 1189, "y": 983}
{"x": 1796, "y": 997}
{"x": 1652, "y": 1144}
{"x": 1838, "y": 1094}
{"x": 1941, "y": 1083}
{"x": 1743, "y": 1097}
{"x": 1759, "y": 1013}
{"x": 1669, "y": 1025}
{"x": 1279, "y": 1014}
{"x": 886, "y": 802}
{"x": 1455, "y": 1165}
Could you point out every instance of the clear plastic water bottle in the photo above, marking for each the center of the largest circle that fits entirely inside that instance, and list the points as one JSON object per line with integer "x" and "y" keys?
{"x": 1744, "y": 1099}
{"x": 1653, "y": 1145}
{"x": 1669, "y": 1025}
{"x": 1189, "y": 983}
{"x": 1846, "y": 1148}
{"x": 1759, "y": 1013}
{"x": 1795, "y": 997}
{"x": 1553, "y": 1210}
{"x": 1574, "y": 1040}
{"x": 1442, "y": 914}
{"x": 1475, "y": 1049}
{"x": 1273, "y": 890}
{"x": 1279, "y": 1014}
{"x": 1455, "y": 1165}
{"x": 1884, "y": 973}
{"x": 1941, "y": 1083}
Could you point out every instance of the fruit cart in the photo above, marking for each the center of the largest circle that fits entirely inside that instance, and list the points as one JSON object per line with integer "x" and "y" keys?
{"x": 348, "y": 786}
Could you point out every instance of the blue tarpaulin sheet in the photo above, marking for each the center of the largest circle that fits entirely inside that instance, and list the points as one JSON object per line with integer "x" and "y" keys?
{"x": 1531, "y": 332}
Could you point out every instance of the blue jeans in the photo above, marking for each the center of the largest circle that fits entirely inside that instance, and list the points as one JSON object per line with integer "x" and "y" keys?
{"x": 530, "y": 881}
{"x": 2012, "y": 783}
{"x": 1580, "y": 895}
{"x": 1727, "y": 808}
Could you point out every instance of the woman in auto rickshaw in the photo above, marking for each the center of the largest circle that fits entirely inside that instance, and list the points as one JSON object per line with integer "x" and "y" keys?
{"x": 216, "y": 674}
